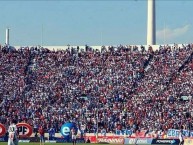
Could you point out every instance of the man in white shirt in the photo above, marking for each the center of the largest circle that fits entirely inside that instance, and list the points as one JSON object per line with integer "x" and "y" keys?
{"x": 181, "y": 137}
{"x": 13, "y": 134}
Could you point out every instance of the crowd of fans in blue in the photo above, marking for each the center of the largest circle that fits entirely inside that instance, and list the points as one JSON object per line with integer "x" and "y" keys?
{"x": 119, "y": 87}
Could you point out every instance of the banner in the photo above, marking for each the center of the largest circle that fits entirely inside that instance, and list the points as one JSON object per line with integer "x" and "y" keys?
{"x": 188, "y": 141}
{"x": 124, "y": 132}
{"x": 130, "y": 133}
{"x": 174, "y": 133}
{"x": 24, "y": 129}
{"x": 66, "y": 129}
{"x": 111, "y": 139}
{"x": 165, "y": 141}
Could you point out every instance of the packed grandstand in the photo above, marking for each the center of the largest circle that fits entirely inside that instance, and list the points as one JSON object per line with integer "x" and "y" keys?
{"x": 118, "y": 88}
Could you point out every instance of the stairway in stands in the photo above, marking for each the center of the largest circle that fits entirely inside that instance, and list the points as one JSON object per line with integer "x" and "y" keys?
{"x": 175, "y": 74}
{"x": 28, "y": 82}
{"x": 146, "y": 64}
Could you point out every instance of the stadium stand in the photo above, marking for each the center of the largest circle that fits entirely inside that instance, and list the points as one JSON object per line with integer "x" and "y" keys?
{"x": 126, "y": 88}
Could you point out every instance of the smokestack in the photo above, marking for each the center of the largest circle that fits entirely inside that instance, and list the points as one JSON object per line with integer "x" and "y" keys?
{"x": 7, "y": 37}
{"x": 151, "y": 23}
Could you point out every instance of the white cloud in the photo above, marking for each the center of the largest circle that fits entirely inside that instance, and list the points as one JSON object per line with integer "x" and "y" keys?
{"x": 168, "y": 33}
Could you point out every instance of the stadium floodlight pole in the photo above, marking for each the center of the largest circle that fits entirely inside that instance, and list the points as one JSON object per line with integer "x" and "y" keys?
{"x": 7, "y": 37}
{"x": 151, "y": 22}
{"x": 42, "y": 35}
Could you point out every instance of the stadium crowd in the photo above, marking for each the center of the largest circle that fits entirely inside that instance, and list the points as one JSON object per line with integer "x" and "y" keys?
{"x": 120, "y": 88}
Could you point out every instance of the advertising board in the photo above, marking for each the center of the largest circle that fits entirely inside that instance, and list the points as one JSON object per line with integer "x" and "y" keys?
{"x": 165, "y": 141}
{"x": 111, "y": 139}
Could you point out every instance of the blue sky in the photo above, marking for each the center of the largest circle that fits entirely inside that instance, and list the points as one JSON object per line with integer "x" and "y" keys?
{"x": 94, "y": 22}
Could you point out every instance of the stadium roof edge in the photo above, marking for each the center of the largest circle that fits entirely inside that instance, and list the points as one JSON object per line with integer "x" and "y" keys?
{"x": 155, "y": 47}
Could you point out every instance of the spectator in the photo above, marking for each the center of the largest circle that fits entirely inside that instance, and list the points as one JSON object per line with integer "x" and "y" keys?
{"x": 119, "y": 87}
